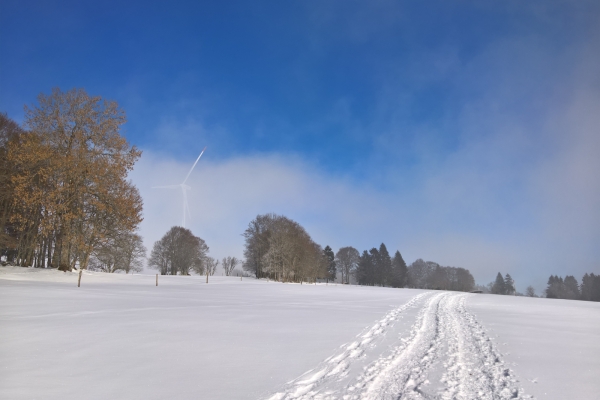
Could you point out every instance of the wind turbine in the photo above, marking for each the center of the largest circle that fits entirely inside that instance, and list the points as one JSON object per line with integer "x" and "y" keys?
{"x": 184, "y": 188}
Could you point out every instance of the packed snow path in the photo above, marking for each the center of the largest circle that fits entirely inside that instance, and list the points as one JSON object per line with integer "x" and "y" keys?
{"x": 444, "y": 336}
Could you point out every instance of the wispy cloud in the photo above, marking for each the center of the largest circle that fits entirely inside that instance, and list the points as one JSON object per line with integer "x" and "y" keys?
{"x": 473, "y": 152}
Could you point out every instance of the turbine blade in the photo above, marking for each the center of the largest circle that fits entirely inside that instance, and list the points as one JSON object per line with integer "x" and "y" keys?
{"x": 165, "y": 187}
{"x": 198, "y": 159}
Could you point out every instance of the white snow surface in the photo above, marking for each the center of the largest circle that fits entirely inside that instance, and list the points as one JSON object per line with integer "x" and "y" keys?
{"x": 121, "y": 337}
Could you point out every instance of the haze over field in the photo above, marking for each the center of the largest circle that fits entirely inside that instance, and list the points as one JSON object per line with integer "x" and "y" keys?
{"x": 462, "y": 133}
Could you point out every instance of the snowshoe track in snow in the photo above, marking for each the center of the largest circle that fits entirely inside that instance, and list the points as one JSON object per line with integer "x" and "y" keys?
{"x": 444, "y": 334}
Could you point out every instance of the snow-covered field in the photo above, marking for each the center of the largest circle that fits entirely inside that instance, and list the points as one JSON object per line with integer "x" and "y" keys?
{"x": 121, "y": 337}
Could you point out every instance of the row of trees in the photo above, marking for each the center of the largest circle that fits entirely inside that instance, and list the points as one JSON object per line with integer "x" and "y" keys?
{"x": 431, "y": 275}
{"x": 376, "y": 268}
{"x": 64, "y": 195}
{"x": 504, "y": 286}
{"x": 558, "y": 288}
{"x": 569, "y": 288}
{"x": 278, "y": 248}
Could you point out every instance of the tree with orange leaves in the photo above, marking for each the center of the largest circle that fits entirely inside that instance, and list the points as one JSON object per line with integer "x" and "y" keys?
{"x": 70, "y": 192}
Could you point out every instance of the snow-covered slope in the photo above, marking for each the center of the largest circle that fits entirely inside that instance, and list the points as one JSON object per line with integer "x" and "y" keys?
{"x": 121, "y": 337}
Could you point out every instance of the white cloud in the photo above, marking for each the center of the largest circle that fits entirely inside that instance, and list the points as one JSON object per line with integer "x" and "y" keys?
{"x": 516, "y": 190}
{"x": 465, "y": 211}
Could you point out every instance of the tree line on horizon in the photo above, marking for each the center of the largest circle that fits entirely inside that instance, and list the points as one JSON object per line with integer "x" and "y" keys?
{"x": 569, "y": 288}
{"x": 280, "y": 249}
{"x": 65, "y": 199}
{"x": 557, "y": 287}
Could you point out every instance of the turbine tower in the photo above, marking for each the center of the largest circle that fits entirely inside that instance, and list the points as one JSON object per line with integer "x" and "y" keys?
{"x": 184, "y": 189}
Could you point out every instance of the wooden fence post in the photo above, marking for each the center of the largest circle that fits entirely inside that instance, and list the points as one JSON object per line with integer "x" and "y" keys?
{"x": 156, "y": 279}
{"x": 79, "y": 279}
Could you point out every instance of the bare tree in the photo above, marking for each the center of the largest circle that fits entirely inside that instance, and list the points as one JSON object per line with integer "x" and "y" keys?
{"x": 347, "y": 259}
{"x": 281, "y": 249}
{"x": 122, "y": 251}
{"x": 160, "y": 257}
{"x": 211, "y": 265}
{"x": 229, "y": 264}
{"x": 178, "y": 251}
{"x": 132, "y": 253}
{"x": 104, "y": 258}
{"x": 257, "y": 244}
{"x": 420, "y": 274}
{"x": 530, "y": 291}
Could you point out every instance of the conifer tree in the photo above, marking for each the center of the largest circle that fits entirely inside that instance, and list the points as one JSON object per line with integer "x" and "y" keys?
{"x": 331, "y": 265}
{"x": 509, "y": 285}
{"x": 385, "y": 266}
{"x": 571, "y": 288}
{"x": 364, "y": 270}
{"x": 590, "y": 287}
{"x": 555, "y": 289}
{"x": 499, "y": 286}
{"x": 399, "y": 277}
{"x": 375, "y": 275}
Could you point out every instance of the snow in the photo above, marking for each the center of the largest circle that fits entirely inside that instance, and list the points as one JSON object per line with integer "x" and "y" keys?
{"x": 120, "y": 336}
{"x": 553, "y": 344}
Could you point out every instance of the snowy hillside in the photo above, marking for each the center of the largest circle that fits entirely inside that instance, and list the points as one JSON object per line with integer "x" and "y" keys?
{"x": 121, "y": 337}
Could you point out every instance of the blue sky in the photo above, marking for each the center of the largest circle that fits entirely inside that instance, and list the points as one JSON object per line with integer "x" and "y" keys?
{"x": 464, "y": 132}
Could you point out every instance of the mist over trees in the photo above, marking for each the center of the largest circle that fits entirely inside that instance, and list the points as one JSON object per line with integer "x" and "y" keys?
{"x": 569, "y": 288}
{"x": 503, "y": 285}
{"x": 557, "y": 287}
{"x": 374, "y": 267}
{"x": 125, "y": 252}
{"x": 65, "y": 194}
{"x": 431, "y": 275}
{"x": 280, "y": 249}
{"x": 179, "y": 252}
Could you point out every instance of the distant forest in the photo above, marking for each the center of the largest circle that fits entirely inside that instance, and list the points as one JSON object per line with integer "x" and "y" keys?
{"x": 280, "y": 249}
{"x": 558, "y": 288}
{"x": 569, "y": 288}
